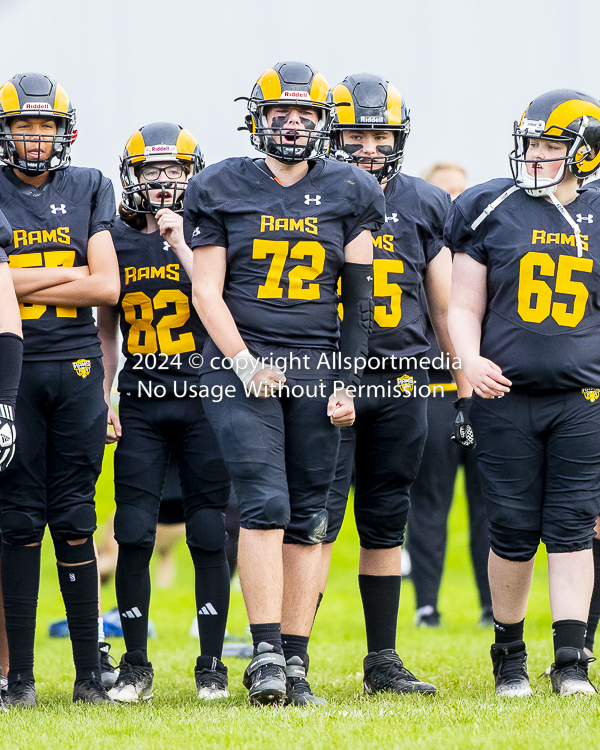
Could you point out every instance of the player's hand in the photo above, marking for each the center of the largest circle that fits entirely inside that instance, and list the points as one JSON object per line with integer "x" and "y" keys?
{"x": 340, "y": 409}
{"x": 8, "y": 435}
{"x": 486, "y": 377}
{"x": 266, "y": 383}
{"x": 112, "y": 435}
{"x": 463, "y": 429}
{"x": 170, "y": 225}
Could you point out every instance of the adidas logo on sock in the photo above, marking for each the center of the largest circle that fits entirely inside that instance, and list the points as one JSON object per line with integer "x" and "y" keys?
{"x": 132, "y": 613}
{"x": 207, "y": 609}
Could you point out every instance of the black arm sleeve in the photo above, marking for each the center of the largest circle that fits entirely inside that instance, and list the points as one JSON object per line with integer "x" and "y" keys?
{"x": 11, "y": 355}
{"x": 357, "y": 324}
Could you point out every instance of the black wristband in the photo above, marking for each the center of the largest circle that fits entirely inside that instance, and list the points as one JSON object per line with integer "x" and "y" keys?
{"x": 357, "y": 324}
{"x": 11, "y": 356}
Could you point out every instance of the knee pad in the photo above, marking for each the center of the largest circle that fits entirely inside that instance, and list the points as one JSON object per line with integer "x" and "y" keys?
{"x": 74, "y": 553}
{"x": 134, "y": 527}
{"x": 517, "y": 545}
{"x": 380, "y": 531}
{"x": 205, "y": 529}
{"x": 307, "y": 529}
{"x": 75, "y": 523}
{"x": 20, "y": 528}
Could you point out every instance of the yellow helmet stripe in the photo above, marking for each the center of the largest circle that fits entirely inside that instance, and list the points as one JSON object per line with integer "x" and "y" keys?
{"x": 186, "y": 144}
{"x": 345, "y": 114}
{"x": 394, "y": 105}
{"x": 135, "y": 147}
{"x": 9, "y": 99}
{"x": 319, "y": 89}
{"x": 270, "y": 84}
{"x": 61, "y": 100}
{"x": 568, "y": 112}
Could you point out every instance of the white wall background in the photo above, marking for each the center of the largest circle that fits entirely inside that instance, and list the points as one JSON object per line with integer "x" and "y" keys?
{"x": 467, "y": 68}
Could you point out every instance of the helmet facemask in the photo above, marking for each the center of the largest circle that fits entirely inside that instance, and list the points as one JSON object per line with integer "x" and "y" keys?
{"x": 137, "y": 193}
{"x": 59, "y": 156}
{"x": 388, "y": 161}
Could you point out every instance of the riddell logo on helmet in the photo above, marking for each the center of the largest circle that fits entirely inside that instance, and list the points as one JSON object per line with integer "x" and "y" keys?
{"x": 36, "y": 105}
{"x": 162, "y": 149}
{"x": 295, "y": 95}
{"x": 371, "y": 118}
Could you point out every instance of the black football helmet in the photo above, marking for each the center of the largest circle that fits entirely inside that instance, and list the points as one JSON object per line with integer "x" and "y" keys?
{"x": 158, "y": 142}
{"x": 289, "y": 83}
{"x": 36, "y": 95}
{"x": 562, "y": 115}
{"x": 367, "y": 102}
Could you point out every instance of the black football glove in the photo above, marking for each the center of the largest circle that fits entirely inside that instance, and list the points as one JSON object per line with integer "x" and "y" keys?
{"x": 463, "y": 429}
{"x": 8, "y": 435}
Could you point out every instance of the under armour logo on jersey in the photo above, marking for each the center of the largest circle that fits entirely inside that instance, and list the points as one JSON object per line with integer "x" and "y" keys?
{"x": 589, "y": 218}
{"x": 393, "y": 217}
{"x": 369, "y": 278}
{"x": 207, "y": 609}
{"x": 132, "y": 613}
{"x": 56, "y": 209}
{"x": 308, "y": 200}
{"x": 166, "y": 246}
{"x": 196, "y": 232}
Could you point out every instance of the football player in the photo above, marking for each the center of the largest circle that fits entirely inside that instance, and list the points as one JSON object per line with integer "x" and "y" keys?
{"x": 160, "y": 407}
{"x": 385, "y": 444}
{"x": 11, "y": 354}
{"x": 271, "y": 238}
{"x": 62, "y": 262}
{"x": 524, "y": 317}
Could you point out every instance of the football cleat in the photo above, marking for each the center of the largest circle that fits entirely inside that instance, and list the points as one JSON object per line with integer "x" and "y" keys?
{"x": 297, "y": 687}
{"x": 569, "y": 673}
{"x": 21, "y": 694}
{"x": 134, "y": 681}
{"x": 427, "y": 617}
{"x": 91, "y": 691}
{"x": 509, "y": 661}
{"x": 265, "y": 676}
{"x": 3, "y": 687}
{"x": 211, "y": 678}
{"x": 384, "y": 671}
{"x": 107, "y": 668}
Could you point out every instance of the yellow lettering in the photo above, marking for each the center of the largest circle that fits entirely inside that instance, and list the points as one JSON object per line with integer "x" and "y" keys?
{"x": 584, "y": 242}
{"x": 49, "y": 236}
{"x": 296, "y": 225}
{"x": 20, "y": 237}
{"x": 538, "y": 235}
{"x": 143, "y": 273}
{"x": 378, "y": 242}
{"x": 63, "y": 235}
{"x": 130, "y": 274}
{"x": 173, "y": 271}
{"x": 552, "y": 238}
{"x": 281, "y": 224}
{"x": 266, "y": 222}
{"x": 310, "y": 225}
{"x": 157, "y": 273}
{"x": 567, "y": 239}
{"x": 35, "y": 236}
{"x": 388, "y": 242}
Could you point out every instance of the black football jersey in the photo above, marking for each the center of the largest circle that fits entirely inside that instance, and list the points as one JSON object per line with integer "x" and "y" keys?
{"x": 542, "y": 323}
{"x": 5, "y": 237}
{"x": 285, "y": 248}
{"x": 410, "y": 239}
{"x": 160, "y": 327}
{"x": 51, "y": 228}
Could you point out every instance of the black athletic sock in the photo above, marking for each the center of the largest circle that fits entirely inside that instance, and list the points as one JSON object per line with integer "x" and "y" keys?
{"x": 381, "y": 600}
{"x": 569, "y": 633}
{"x": 508, "y": 633}
{"x": 212, "y": 599}
{"x": 269, "y": 632}
{"x": 20, "y": 586}
{"x": 594, "y": 614}
{"x": 79, "y": 588}
{"x": 132, "y": 584}
{"x": 295, "y": 645}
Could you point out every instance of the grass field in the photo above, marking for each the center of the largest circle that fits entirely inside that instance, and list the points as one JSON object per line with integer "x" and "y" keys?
{"x": 464, "y": 714}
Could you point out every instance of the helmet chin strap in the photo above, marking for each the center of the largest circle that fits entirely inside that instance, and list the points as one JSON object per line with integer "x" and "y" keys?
{"x": 575, "y": 227}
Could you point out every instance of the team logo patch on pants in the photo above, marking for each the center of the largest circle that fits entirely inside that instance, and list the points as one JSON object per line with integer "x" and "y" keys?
{"x": 406, "y": 383}
{"x": 82, "y": 367}
{"x": 591, "y": 394}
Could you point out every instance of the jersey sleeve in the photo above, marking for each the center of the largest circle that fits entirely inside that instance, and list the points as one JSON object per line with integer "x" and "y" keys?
{"x": 5, "y": 237}
{"x": 459, "y": 236}
{"x": 370, "y": 213}
{"x": 105, "y": 209}
{"x": 434, "y": 241}
{"x": 207, "y": 223}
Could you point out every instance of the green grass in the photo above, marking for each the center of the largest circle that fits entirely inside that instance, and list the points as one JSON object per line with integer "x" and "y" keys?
{"x": 465, "y": 713}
